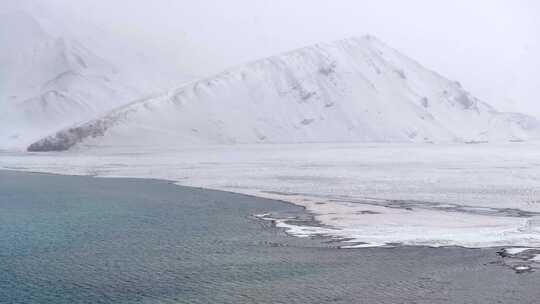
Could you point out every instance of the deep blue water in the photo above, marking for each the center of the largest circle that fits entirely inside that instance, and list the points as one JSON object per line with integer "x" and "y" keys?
{"x": 71, "y": 240}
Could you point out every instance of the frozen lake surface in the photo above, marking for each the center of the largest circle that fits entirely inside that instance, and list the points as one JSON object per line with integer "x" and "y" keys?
{"x": 476, "y": 195}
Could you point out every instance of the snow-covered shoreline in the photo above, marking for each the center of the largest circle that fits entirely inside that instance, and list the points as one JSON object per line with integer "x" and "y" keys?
{"x": 433, "y": 195}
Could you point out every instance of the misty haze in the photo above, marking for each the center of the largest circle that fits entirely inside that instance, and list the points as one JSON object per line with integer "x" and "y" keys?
{"x": 239, "y": 151}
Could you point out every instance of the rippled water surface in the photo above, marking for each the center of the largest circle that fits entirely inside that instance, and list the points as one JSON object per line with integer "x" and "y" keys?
{"x": 86, "y": 240}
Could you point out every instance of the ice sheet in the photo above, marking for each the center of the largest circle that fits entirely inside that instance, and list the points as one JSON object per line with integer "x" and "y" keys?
{"x": 418, "y": 194}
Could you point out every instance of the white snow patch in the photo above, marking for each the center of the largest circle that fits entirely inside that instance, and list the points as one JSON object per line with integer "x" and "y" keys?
{"x": 522, "y": 268}
{"x": 515, "y": 251}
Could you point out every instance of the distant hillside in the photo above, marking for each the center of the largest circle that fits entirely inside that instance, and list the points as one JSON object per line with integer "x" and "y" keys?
{"x": 48, "y": 83}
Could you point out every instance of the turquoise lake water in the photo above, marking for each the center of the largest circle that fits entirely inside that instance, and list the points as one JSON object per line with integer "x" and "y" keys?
{"x": 67, "y": 239}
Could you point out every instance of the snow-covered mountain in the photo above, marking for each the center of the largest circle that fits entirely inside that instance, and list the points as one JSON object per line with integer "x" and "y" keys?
{"x": 354, "y": 90}
{"x": 49, "y": 82}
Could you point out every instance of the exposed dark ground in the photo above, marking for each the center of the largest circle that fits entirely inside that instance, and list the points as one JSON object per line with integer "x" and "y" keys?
{"x": 67, "y": 239}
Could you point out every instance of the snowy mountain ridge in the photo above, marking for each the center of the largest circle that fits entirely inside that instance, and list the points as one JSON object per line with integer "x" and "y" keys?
{"x": 353, "y": 90}
{"x": 48, "y": 83}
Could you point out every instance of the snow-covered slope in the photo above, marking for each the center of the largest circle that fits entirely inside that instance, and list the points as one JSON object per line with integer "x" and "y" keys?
{"x": 48, "y": 83}
{"x": 351, "y": 90}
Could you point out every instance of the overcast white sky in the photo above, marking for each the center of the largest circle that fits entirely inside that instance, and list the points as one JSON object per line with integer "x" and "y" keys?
{"x": 491, "y": 46}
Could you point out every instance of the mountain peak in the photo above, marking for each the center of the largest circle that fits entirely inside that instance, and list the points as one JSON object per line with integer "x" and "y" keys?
{"x": 47, "y": 82}
{"x": 352, "y": 90}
